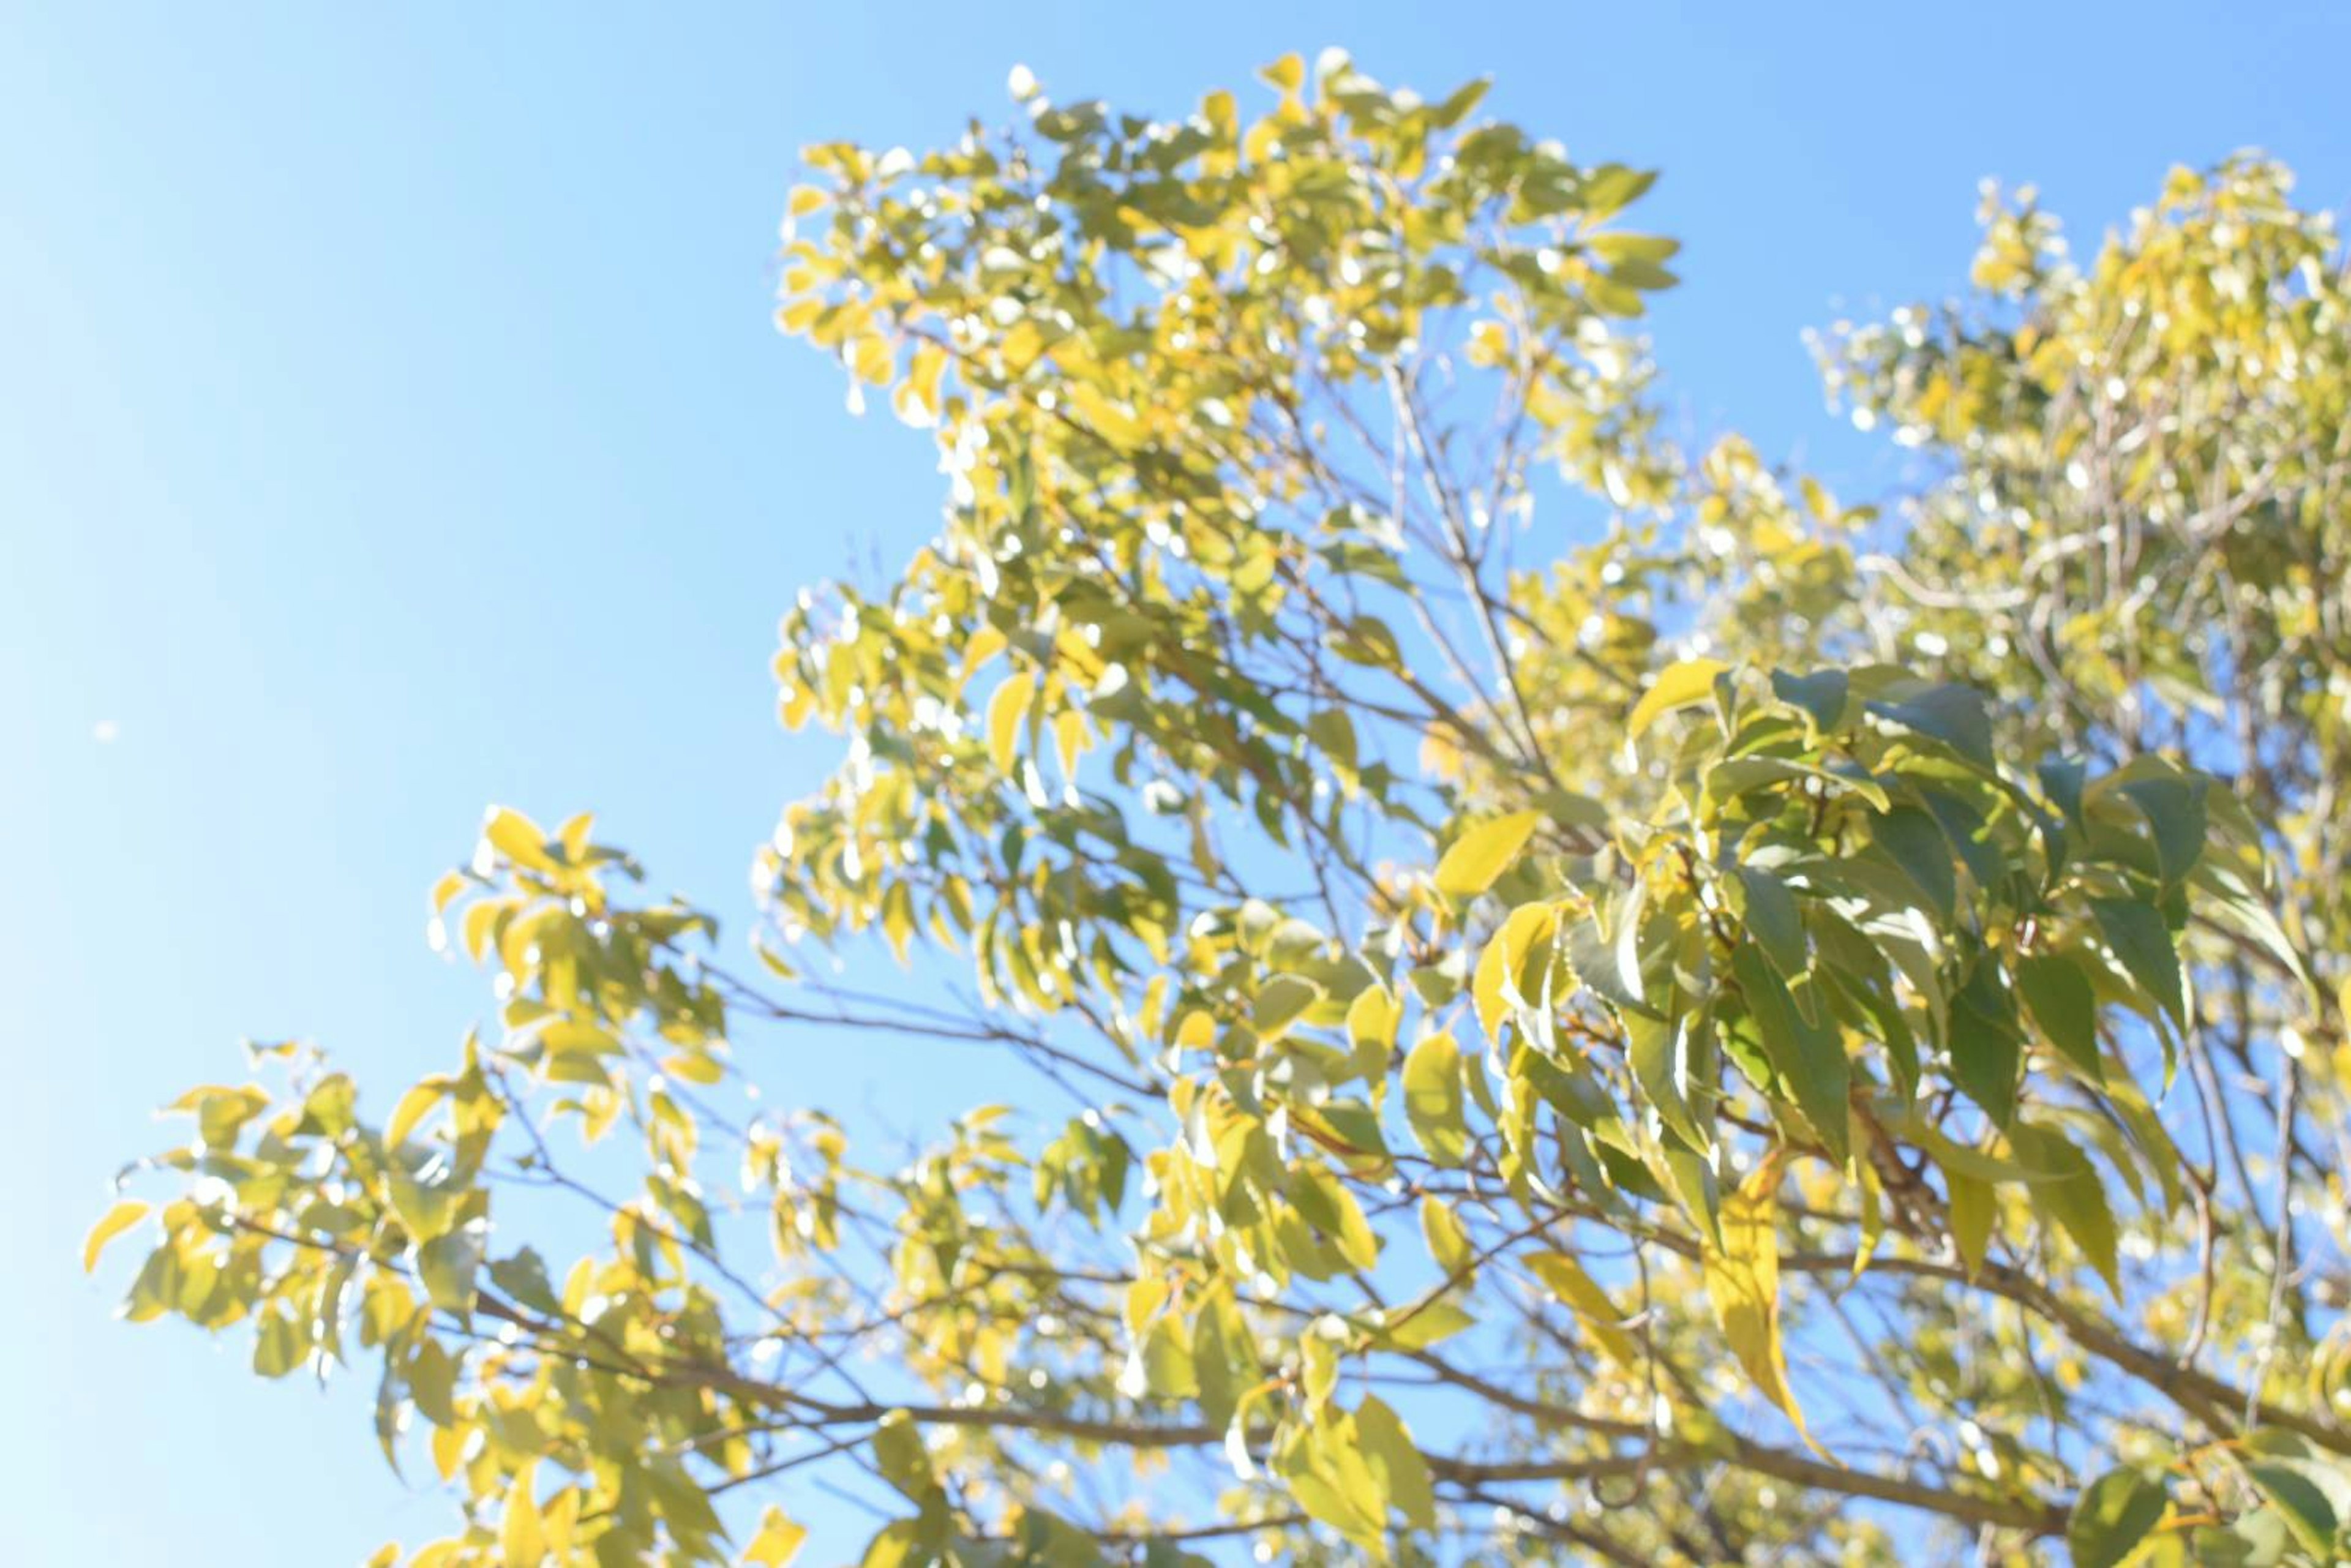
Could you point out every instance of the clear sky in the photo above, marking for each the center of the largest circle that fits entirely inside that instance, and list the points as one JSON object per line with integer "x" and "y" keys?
{"x": 391, "y": 422}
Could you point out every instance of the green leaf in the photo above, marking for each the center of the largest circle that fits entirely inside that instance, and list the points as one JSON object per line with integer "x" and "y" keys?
{"x": 1975, "y": 1210}
{"x": 2174, "y": 809}
{"x": 2303, "y": 1503}
{"x": 1804, "y": 1044}
{"x": 2142, "y": 942}
{"x": 1913, "y": 840}
{"x": 446, "y": 1264}
{"x": 1331, "y": 1210}
{"x": 1402, "y": 1474}
{"x": 1677, "y": 685}
{"x": 1954, "y": 715}
{"x": 1613, "y": 186}
{"x": 901, "y": 1458}
{"x": 2076, "y": 1200}
{"x": 1673, "y": 1062}
{"x": 523, "y": 1279}
{"x": 278, "y": 1347}
{"x": 2064, "y": 782}
{"x": 2113, "y": 1515}
{"x": 1986, "y": 1054}
{"x": 1481, "y": 855}
{"x": 1820, "y": 694}
{"x": 1774, "y": 919}
{"x": 1433, "y": 1098}
{"x": 1279, "y": 1003}
{"x": 2059, "y": 997}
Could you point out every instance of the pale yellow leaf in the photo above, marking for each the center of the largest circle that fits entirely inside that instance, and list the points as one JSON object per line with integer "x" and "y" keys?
{"x": 412, "y": 1109}
{"x": 1494, "y": 986}
{"x": 871, "y": 357}
{"x": 1565, "y": 1279}
{"x": 1677, "y": 685}
{"x": 517, "y": 838}
{"x": 119, "y": 1219}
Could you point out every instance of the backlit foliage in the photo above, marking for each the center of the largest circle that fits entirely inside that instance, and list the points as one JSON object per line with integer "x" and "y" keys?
{"x": 1582, "y": 1000}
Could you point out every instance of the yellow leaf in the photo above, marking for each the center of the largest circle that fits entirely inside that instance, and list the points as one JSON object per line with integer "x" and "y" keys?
{"x": 1433, "y": 1098}
{"x": 560, "y": 1519}
{"x": 1112, "y": 420}
{"x": 983, "y": 644}
{"x": 1372, "y": 1021}
{"x": 1006, "y": 709}
{"x": 799, "y": 314}
{"x": 1975, "y": 1213}
{"x": 1222, "y": 113}
{"x": 1565, "y": 1279}
{"x": 522, "y": 1534}
{"x": 119, "y": 1219}
{"x": 777, "y": 1542}
{"x": 1677, "y": 685}
{"x": 1873, "y": 1206}
{"x": 411, "y": 1110}
{"x": 1494, "y": 986}
{"x": 1483, "y": 853}
{"x": 446, "y": 891}
{"x": 694, "y": 1068}
{"x": 517, "y": 838}
{"x": 917, "y": 400}
{"x": 1070, "y": 739}
{"x": 578, "y": 1035}
{"x": 1742, "y": 1282}
{"x": 1489, "y": 344}
{"x": 1195, "y": 1030}
{"x": 806, "y": 199}
{"x": 871, "y": 357}
{"x": 1448, "y": 1244}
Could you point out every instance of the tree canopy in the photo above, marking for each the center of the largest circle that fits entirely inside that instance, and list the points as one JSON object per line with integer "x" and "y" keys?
{"x": 1578, "y": 998}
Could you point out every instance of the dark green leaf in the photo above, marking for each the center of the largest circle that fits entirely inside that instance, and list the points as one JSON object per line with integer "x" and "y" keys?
{"x": 1821, "y": 694}
{"x": 2063, "y": 1004}
{"x": 1803, "y": 1043}
{"x": 2142, "y": 942}
{"x": 1773, "y": 920}
{"x": 1954, "y": 715}
{"x": 1986, "y": 1052}
{"x": 1914, "y": 842}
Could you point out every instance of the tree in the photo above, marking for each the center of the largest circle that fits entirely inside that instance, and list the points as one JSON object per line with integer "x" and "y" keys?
{"x": 1587, "y": 1001}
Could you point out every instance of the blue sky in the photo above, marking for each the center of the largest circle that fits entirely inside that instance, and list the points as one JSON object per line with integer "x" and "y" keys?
{"x": 390, "y": 422}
